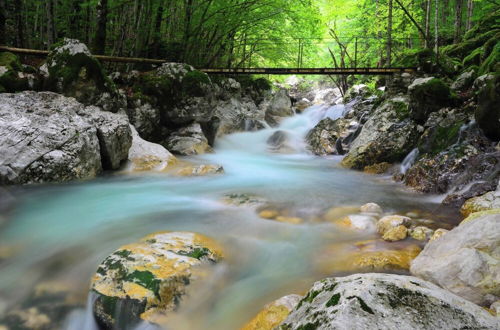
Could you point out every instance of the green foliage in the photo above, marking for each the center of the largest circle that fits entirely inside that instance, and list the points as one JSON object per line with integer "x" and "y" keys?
{"x": 10, "y": 61}
{"x": 193, "y": 83}
{"x": 491, "y": 64}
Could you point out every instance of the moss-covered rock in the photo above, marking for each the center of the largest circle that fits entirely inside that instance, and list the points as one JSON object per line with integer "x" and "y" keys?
{"x": 428, "y": 95}
{"x": 384, "y": 301}
{"x": 487, "y": 113}
{"x": 474, "y": 58}
{"x": 466, "y": 47}
{"x": 182, "y": 94}
{"x": 71, "y": 70}
{"x": 150, "y": 276}
{"x": 422, "y": 59}
{"x": 273, "y": 314}
{"x": 14, "y": 77}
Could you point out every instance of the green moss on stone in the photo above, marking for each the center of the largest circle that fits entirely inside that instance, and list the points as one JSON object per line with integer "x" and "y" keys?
{"x": 473, "y": 58}
{"x": 309, "y": 298}
{"x": 193, "y": 83}
{"x": 10, "y": 61}
{"x": 196, "y": 253}
{"x": 333, "y": 301}
{"x": 145, "y": 279}
{"x": 309, "y": 326}
{"x": 491, "y": 64}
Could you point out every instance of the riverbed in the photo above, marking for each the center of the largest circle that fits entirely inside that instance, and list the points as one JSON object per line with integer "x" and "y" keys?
{"x": 60, "y": 233}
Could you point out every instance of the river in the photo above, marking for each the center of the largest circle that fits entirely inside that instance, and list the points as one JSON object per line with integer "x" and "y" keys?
{"x": 60, "y": 233}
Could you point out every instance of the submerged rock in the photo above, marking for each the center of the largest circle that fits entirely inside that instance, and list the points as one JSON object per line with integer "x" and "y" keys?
{"x": 384, "y": 301}
{"x": 392, "y": 221}
{"x": 150, "y": 275}
{"x": 279, "y": 142}
{"x": 465, "y": 260}
{"x": 273, "y": 314}
{"x": 188, "y": 140}
{"x": 387, "y": 136}
{"x": 71, "y": 70}
{"x": 200, "y": 170}
{"x": 44, "y": 139}
{"x": 421, "y": 233}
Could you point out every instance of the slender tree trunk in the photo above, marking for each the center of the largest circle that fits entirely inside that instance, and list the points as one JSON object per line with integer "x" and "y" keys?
{"x": 427, "y": 23}
{"x": 51, "y": 28}
{"x": 436, "y": 31}
{"x": 18, "y": 14}
{"x": 102, "y": 21}
{"x": 157, "y": 29}
{"x": 3, "y": 17}
{"x": 470, "y": 12}
{"x": 458, "y": 20}
{"x": 389, "y": 36}
{"x": 74, "y": 22}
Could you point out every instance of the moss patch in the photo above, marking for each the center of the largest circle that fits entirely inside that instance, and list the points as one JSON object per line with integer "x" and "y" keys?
{"x": 10, "y": 61}
{"x": 333, "y": 301}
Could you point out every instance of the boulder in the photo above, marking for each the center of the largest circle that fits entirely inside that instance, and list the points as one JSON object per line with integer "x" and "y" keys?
{"x": 200, "y": 170}
{"x": 322, "y": 139}
{"x": 488, "y": 201}
{"x": 44, "y": 139}
{"x": 421, "y": 233}
{"x": 357, "y": 92}
{"x": 371, "y": 208}
{"x": 361, "y": 222}
{"x": 182, "y": 94}
{"x": 392, "y": 221}
{"x": 384, "y": 301}
{"x": 280, "y": 106}
{"x": 273, "y": 314}
{"x": 394, "y": 234}
{"x": 114, "y": 133}
{"x": 279, "y": 142}
{"x": 150, "y": 276}
{"x": 15, "y": 77}
{"x": 71, "y": 70}
{"x": 145, "y": 118}
{"x": 188, "y": 140}
{"x": 147, "y": 156}
{"x": 426, "y": 96}
{"x": 465, "y": 261}
{"x": 387, "y": 136}
{"x": 487, "y": 113}
{"x": 464, "y": 81}
{"x": 236, "y": 115}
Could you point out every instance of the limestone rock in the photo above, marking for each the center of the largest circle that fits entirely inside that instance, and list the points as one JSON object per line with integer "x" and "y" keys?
{"x": 147, "y": 156}
{"x": 145, "y": 118}
{"x": 464, "y": 81}
{"x": 322, "y": 139}
{"x": 371, "y": 208}
{"x": 392, "y": 221}
{"x": 488, "y": 201}
{"x": 72, "y": 71}
{"x": 15, "y": 77}
{"x": 387, "y": 136}
{"x": 44, "y": 139}
{"x": 188, "y": 140}
{"x": 426, "y": 96}
{"x": 397, "y": 233}
{"x": 465, "y": 260}
{"x": 114, "y": 133}
{"x": 361, "y": 222}
{"x": 356, "y": 91}
{"x": 151, "y": 274}
{"x": 200, "y": 170}
{"x": 421, "y": 233}
{"x": 279, "y": 142}
{"x": 273, "y": 314}
{"x": 280, "y": 106}
{"x": 438, "y": 233}
{"x": 384, "y": 301}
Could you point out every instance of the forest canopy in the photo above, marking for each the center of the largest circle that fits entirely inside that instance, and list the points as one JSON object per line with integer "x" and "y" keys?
{"x": 237, "y": 33}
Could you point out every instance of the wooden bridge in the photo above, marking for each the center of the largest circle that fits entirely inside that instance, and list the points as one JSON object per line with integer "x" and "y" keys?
{"x": 234, "y": 71}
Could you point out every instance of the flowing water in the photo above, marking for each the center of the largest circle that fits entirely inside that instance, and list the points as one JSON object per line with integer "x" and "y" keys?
{"x": 60, "y": 233}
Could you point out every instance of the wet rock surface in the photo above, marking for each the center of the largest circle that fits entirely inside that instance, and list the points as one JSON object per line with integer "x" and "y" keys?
{"x": 150, "y": 276}
{"x": 465, "y": 260}
{"x": 383, "y": 301}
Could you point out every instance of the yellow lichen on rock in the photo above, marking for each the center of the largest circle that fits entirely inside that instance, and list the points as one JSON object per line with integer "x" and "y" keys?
{"x": 154, "y": 272}
{"x": 438, "y": 233}
{"x": 199, "y": 170}
{"x": 338, "y": 212}
{"x": 273, "y": 314}
{"x": 395, "y": 234}
{"x": 291, "y": 220}
{"x": 366, "y": 257}
{"x": 377, "y": 168}
{"x": 476, "y": 215}
{"x": 269, "y": 214}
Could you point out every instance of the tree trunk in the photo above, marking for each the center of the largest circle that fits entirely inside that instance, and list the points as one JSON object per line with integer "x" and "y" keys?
{"x": 470, "y": 12}
{"x": 427, "y": 23}
{"x": 51, "y": 28}
{"x": 102, "y": 21}
{"x": 18, "y": 14}
{"x": 458, "y": 20}
{"x": 389, "y": 35}
{"x": 436, "y": 31}
{"x": 3, "y": 17}
{"x": 157, "y": 30}
{"x": 74, "y": 22}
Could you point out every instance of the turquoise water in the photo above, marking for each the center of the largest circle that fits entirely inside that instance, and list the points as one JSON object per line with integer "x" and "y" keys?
{"x": 61, "y": 232}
